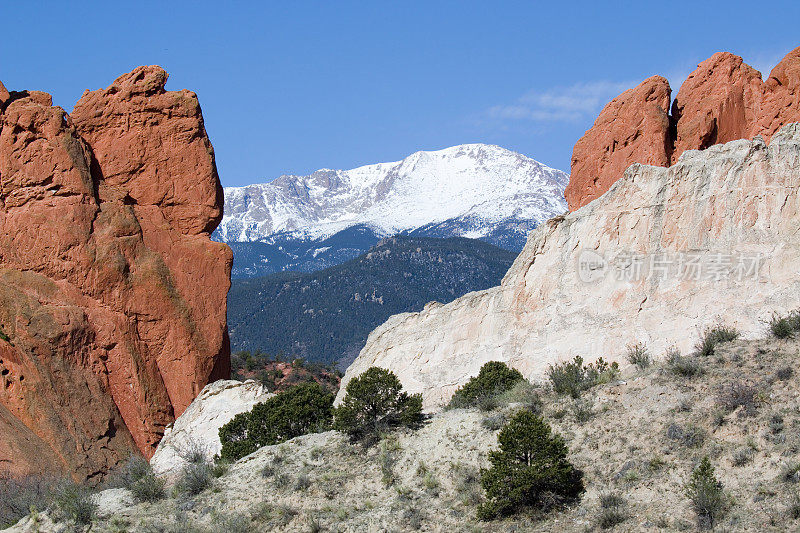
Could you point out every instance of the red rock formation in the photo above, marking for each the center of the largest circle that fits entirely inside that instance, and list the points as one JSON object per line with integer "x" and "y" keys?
{"x": 717, "y": 103}
{"x": 634, "y": 126}
{"x": 112, "y": 295}
{"x": 4, "y": 96}
{"x": 724, "y": 99}
{"x": 781, "y": 99}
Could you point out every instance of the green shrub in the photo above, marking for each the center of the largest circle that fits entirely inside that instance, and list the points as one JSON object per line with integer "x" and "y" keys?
{"x": 613, "y": 510}
{"x": 639, "y": 356}
{"x": 138, "y": 477}
{"x": 780, "y": 327}
{"x": 195, "y": 478}
{"x": 523, "y": 393}
{"x": 374, "y": 403}
{"x": 74, "y": 502}
{"x": 583, "y": 410}
{"x": 220, "y": 467}
{"x": 148, "y": 488}
{"x": 573, "y": 377}
{"x": 530, "y": 470}
{"x": 706, "y": 494}
{"x": 713, "y": 336}
{"x": 233, "y": 523}
{"x": 682, "y": 365}
{"x": 494, "y": 379}
{"x": 296, "y": 411}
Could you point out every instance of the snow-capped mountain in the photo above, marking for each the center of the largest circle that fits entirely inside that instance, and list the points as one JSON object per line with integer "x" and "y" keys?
{"x": 472, "y": 190}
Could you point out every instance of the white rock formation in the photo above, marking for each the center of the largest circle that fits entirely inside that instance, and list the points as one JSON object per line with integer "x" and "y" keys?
{"x": 663, "y": 254}
{"x": 198, "y": 427}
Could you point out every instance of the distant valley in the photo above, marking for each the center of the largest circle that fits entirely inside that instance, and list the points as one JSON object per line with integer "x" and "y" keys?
{"x": 325, "y": 316}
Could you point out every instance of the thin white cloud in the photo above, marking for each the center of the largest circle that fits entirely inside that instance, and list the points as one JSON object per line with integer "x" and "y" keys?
{"x": 559, "y": 104}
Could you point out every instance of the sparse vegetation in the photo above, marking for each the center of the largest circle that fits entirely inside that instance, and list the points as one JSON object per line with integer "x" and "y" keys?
{"x": 19, "y": 496}
{"x": 583, "y": 410}
{"x": 296, "y": 411}
{"x": 742, "y": 456}
{"x": 375, "y": 403}
{"x": 713, "y": 336}
{"x": 494, "y": 421}
{"x": 494, "y": 379}
{"x": 195, "y": 477}
{"x": 73, "y": 502}
{"x": 682, "y": 365}
{"x": 138, "y": 477}
{"x": 639, "y": 356}
{"x": 784, "y": 373}
{"x": 530, "y": 470}
{"x": 613, "y": 510}
{"x": 706, "y": 494}
{"x": 4, "y": 336}
{"x": 738, "y": 394}
{"x": 785, "y": 326}
{"x": 573, "y": 377}
{"x": 690, "y": 436}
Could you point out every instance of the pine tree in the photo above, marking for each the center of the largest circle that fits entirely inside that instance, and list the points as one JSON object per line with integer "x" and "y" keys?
{"x": 707, "y": 494}
{"x": 530, "y": 469}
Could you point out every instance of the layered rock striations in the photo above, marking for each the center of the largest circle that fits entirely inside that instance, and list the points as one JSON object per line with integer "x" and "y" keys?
{"x": 724, "y": 99}
{"x": 664, "y": 253}
{"x": 112, "y": 295}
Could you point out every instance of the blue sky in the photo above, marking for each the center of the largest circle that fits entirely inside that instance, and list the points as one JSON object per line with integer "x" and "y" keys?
{"x": 289, "y": 87}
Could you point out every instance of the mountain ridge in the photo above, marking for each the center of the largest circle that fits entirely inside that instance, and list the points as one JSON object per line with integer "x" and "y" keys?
{"x": 485, "y": 183}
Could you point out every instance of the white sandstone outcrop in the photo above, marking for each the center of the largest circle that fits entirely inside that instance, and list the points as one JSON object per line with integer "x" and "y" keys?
{"x": 198, "y": 427}
{"x": 664, "y": 253}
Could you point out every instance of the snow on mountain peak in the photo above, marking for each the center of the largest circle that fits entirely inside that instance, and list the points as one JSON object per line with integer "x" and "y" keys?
{"x": 479, "y": 183}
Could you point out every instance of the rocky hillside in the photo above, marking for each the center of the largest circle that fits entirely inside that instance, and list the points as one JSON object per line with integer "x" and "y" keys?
{"x": 723, "y": 100}
{"x": 326, "y": 316}
{"x": 664, "y": 252}
{"x": 637, "y": 439}
{"x": 112, "y": 295}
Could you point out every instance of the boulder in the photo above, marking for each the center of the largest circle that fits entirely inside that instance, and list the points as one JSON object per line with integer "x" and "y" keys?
{"x": 197, "y": 429}
{"x": 112, "y": 295}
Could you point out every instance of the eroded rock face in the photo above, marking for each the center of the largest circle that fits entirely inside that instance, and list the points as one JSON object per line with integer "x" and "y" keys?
{"x": 724, "y": 99}
{"x": 112, "y": 296}
{"x": 664, "y": 253}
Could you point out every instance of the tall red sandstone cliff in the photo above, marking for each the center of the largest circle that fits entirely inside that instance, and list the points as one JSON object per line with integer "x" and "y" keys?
{"x": 724, "y": 99}
{"x": 112, "y": 295}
